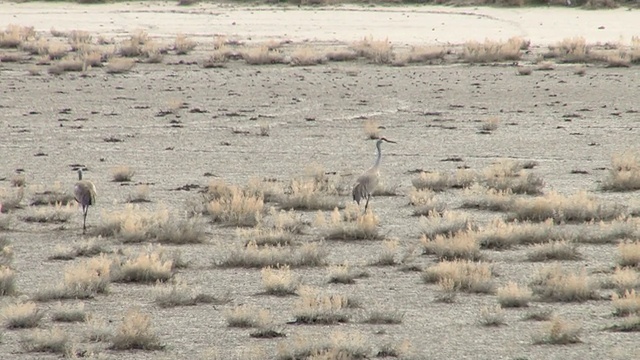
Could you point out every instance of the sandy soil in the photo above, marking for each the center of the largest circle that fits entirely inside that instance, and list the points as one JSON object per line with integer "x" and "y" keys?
{"x": 561, "y": 120}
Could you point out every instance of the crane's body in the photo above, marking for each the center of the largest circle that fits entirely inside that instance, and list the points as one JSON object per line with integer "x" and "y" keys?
{"x": 367, "y": 182}
{"x": 85, "y": 194}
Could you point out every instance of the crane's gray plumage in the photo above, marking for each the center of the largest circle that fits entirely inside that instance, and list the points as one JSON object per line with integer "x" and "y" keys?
{"x": 368, "y": 181}
{"x": 85, "y": 194}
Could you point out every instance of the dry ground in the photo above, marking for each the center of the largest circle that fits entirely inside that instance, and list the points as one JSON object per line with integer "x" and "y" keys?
{"x": 571, "y": 125}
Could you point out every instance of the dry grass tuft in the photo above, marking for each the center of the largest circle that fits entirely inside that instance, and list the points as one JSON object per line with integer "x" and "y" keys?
{"x": 279, "y": 280}
{"x": 490, "y": 124}
{"x": 254, "y": 256}
{"x": 624, "y": 174}
{"x": 179, "y": 293}
{"x": 49, "y": 214}
{"x": 376, "y": 51}
{"x": 310, "y": 194}
{"x": 482, "y": 198}
{"x": 389, "y": 253}
{"x": 315, "y": 308}
{"x": 238, "y": 209}
{"x": 344, "y": 274}
{"x": 7, "y": 274}
{"x": 460, "y": 245}
{"x": 556, "y": 284}
{"x": 262, "y": 55}
{"x": 245, "y": 316}
{"x": 341, "y": 55}
{"x": 182, "y": 45}
{"x": 52, "y": 196}
{"x": 423, "y": 54}
{"x": 383, "y": 317}
{"x": 624, "y": 279}
{"x": 150, "y": 266}
{"x": 136, "y": 332}
{"x": 474, "y": 277}
{"x": 447, "y": 291}
{"x": 629, "y": 254}
{"x": 493, "y": 51}
{"x": 509, "y": 175}
{"x": 21, "y": 315}
{"x": 11, "y": 199}
{"x": 52, "y": 340}
{"x": 554, "y": 250}
{"x": 14, "y": 35}
{"x": 441, "y": 181}
{"x": 306, "y": 56}
{"x": 539, "y": 315}
{"x": 372, "y": 129}
{"x": 559, "y": 332}
{"x": 119, "y": 66}
{"x": 70, "y": 313}
{"x": 448, "y": 224}
{"x": 350, "y": 225}
{"x": 579, "y": 207}
{"x": 81, "y": 281}
{"x": 492, "y": 316}
{"x": 570, "y": 50}
{"x": 139, "y": 195}
{"x": 629, "y": 324}
{"x": 339, "y": 345}
{"x": 512, "y": 295}
{"x": 122, "y": 173}
{"x": 627, "y": 304}
{"x": 425, "y": 203}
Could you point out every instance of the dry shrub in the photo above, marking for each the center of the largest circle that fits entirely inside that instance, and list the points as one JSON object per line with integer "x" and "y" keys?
{"x": 279, "y": 280}
{"x": 310, "y": 194}
{"x": 425, "y": 203}
{"x": 387, "y": 256}
{"x": 344, "y": 274}
{"x": 49, "y": 214}
{"x": 509, "y": 175}
{"x": 269, "y": 190}
{"x": 140, "y": 194}
{"x": 460, "y": 245}
{"x": 81, "y": 281}
{"x": 341, "y": 55}
{"x": 97, "y": 330}
{"x": 371, "y": 129}
{"x": 262, "y": 55}
{"x": 315, "y": 308}
{"x": 425, "y": 54}
{"x": 339, "y": 345}
{"x": 579, "y": 207}
{"x": 52, "y": 340}
{"x": 133, "y": 46}
{"x": 570, "y": 50}
{"x": 149, "y": 266}
{"x": 448, "y": 224}
{"x": 624, "y": 174}
{"x": 490, "y": 124}
{"x": 447, "y": 290}
{"x": 152, "y": 53}
{"x": 493, "y": 51}
{"x": 376, "y": 51}
{"x": 69, "y": 313}
{"x": 88, "y": 248}
{"x": 52, "y": 195}
{"x": 179, "y": 293}
{"x": 627, "y": 304}
{"x": 119, "y": 66}
{"x": 402, "y": 350}
{"x": 11, "y": 199}
{"x": 618, "y": 59}
{"x": 629, "y": 253}
{"x": 245, "y": 316}
{"x": 350, "y": 225}
{"x": 183, "y": 45}
{"x": 554, "y": 250}
{"x": 11, "y": 57}
{"x": 559, "y": 332}
{"x": 474, "y": 277}
{"x": 21, "y": 315}
{"x": 239, "y": 209}
{"x": 504, "y": 235}
{"x": 492, "y": 316}
{"x": 136, "y": 332}
{"x": 513, "y": 295}
{"x": 306, "y": 56}
{"x": 14, "y": 35}
{"x": 624, "y": 279}
{"x": 482, "y": 198}
{"x": 556, "y": 284}
{"x": 629, "y": 324}
{"x": 217, "y": 58}
{"x": 539, "y": 315}
{"x": 122, "y": 173}
{"x": 254, "y": 256}
{"x": 524, "y": 70}
{"x": 438, "y": 181}
{"x": 383, "y": 317}
{"x": 7, "y": 274}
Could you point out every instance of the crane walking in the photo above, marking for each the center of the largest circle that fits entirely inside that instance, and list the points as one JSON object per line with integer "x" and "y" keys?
{"x": 85, "y": 194}
{"x": 368, "y": 181}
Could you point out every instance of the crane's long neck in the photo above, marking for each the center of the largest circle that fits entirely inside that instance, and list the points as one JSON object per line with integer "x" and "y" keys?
{"x": 79, "y": 174}
{"x": 379, "y": 155}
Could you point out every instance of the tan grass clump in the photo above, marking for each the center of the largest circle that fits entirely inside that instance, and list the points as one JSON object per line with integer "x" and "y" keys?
{"x": 344, "y": 274}
{"x": 279, "y": 280}
{"x": 504, "y": 235}
{"x": 629, "y": 253}
{"x": 492, "y": 316}
{"x": 376, "y": 51}
{"x": 554, "y": 250}
{"x": 624, "y": 279}
{"x": 388, "y": 255}
{"x": 69, "y": 313}
{"x": 493, "y": 51}
{"x": 627, "y": 304}
{"x": 425, "y": 54}
{"x": 133, "y": 46}
{"x": 119, "y": 66}
{"x": 438, "y": 181}
{"x": 576, "y": 208}
{"x": 339, "y": 345}
{"x": 474, "y": 277}
{"x": 556, "y": 284}
{"x": 262, "y": 55}
{"x": 11, "y": 199}
{"x": 346, "y": 226}
{"x": 371, "y": 129}
{"x": 570, "y": 50}
{"x": 14, "y": 35}
{"x": 81, "y": 281}
{"x": 624, "y": 174}
{"x": 239, "y": 209}
{"x": 490, "y": 124}
{"x": 182, "y": 45}
{"x": 52, "y": 340}
{"x": 271, "y": 191}
{"x": 49, "y": 214}
{"x": 315, "y": 308}
{"x": 245, "y": 316}
{"x": 179, "y": 293}
{"x": 51, "y": 196}
{"x": 425, "y": 203}
{"x": 139, "y": 195}
{"x": 383, "y": 317}
{"x": 559, "y": 332}
{"x": 309, "y": 194}
{"x": 509, "y": 175}
{"x": 7, "y": 278}
{"x": 513, "y": 295}
{"x": 136, "y": 332}
{"x": 150, "y": 266}
{"x": 122, "y": 173}
{"x": 460, "y": 245}
{"x": 254, "y": 256}
{"x": 448, "y": 224}
{"x": 306, "y": 56}
{"x": 21, "y": 315}
{"x": 482, "y": 198}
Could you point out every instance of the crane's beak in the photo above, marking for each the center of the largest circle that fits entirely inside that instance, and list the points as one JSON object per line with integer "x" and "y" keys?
{"x": 391, "y": 141}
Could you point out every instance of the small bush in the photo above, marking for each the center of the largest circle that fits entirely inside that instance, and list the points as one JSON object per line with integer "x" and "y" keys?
{"x": 512, "y": 295}
{"x": 627, "y": 304}
{"x": 81, "y": 281}
{"x": 559, "y": 332}
{"x": 245, "y": 316}
{"x": 344, "y": 274}
{"x": 254, "y": 256}
{"x": 376, "y": 51}
{"x": 570, "y": 50}
{"x": 306, "y": 56}
{"x": 624, "y": 279}
{"x": 629, "y": 253}
{"x": 339, "y": 345}
{"x": 492, "y": 316}
{"x": 448, "y": 224}
{"x": 279, "y": 280}
{"x": 580, "y": 207}
{"x": 119, "y": 66}
{"x": 238, "y": 210}
{"x": 122, "y": 173}
{"x": 21, "y": 315}
{"x": 178, "y": 293}
{"x": 345, "y": 227}
{"x": 441, "y": 181}
{"x": 388, "y": 255}
{"x": 509, "y": 175}
{"x": 49, "y": 214}
{"x": 136, "y": 332}
{"x": 383, "y": 317}
{"x": 556, "y": 284}
{"x": 262, "y": 55}
{"x": 554, "y": 250}
{"x": 69, "y": 313}
{"x": 624, "y": 174}
{"x": 48, "y": 341}
{"x": 309, "y": 194}
{"x": 493, "y": 51}
{"x": 371, "y": 129}
{"x": 183, "y": 45}
{"x": 460, "y": 245}
{"x": 146, "y": 267}
{"x": 315, "y": 308}
{"x": 539, "y": 315}
{"x": 479, "y": 197}
{"x": 474, "y": 277}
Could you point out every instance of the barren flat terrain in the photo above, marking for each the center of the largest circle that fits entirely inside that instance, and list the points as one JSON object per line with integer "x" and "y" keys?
{"x": 181, "y": 126}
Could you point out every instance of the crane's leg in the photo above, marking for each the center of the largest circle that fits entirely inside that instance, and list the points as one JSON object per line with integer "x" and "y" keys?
{"x": 85, "y": 210}
{"x": 367, "y": 203}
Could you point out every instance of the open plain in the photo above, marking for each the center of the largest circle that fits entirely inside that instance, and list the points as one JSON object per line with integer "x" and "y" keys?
{"x": 277, "y": 131}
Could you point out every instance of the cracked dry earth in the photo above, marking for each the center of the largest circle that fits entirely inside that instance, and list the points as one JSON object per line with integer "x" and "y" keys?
{"x": 563, "y": 121}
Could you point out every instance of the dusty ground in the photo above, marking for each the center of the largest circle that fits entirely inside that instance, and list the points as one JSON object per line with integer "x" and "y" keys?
{"x": 316, "y": 115}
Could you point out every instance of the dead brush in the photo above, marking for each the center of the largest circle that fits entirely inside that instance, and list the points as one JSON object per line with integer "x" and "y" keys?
{"x": 122, "y": 173}
{"x": 388, "y": 255}
{"x": 576, "y": 208}
{"x": 460, "y": 245}
{"x": 179, "y": 293}
{"x": 490, "y": 124}
{"x": 11, "y": 199}
{"x": 133, "y": 46}
{"x": 620, "y": 59}
{"x": 254, "y": 256}
{"x": 629, "y": 324}
{"x": 119, "y": 66}
{"x": 239, "y": 209}
{"x": 344, "y": 274}
{"x": 81, "y": 281}
{"x": 346, "y": 227}
{"x": 341, "y": 55}
{"x": 262, "y": 55}
{"x": 313, "y": 307}
{"x": 49, "y": 214}
{"x": 53, "y": 340}
{"x": 493, "y": 51}
{"x": 468, "y": 276}
{"x": 570, "y": 50}
{"x": 624, "y": 174}
{"x": 383, "y": 317}
{"x": 559, "y": 332}
{"x": 447, "y": 224}
{"x": 14, "y": 35}
{"x": 245, "y": 316}
{"x": 629, "y": 254}
{"x": 148, "y": 266}
{"x": 438, "y": 181}
{"x": 86, "y": 248}
{"x": 152, "y": 52}
{"x": 425, "y": 202}
{"x": 134, "y": 224}
{"x": 425, "y": 54}
{"x": 401, "y": 350}
{"x": 309, "y": 194}
{"x": 513, "y": 295}
{"x": 217, "y": 58}
{"x": 69, "y": 313}
{"x": 269, "y": 189}
{"x": 504, "y": 235}
{"x": 182, "y": 45}
{"x": 511, "y": 175}
{"x": 627, "y": 304}
{"x": 447, "y": 291}
{"x": 492, "y": 316}
{"x": 372, "y": 129}
{"x": 483, "y": 198}
{"x": 376, "y": 51}
{"x": 136, "y": 332}
{"x": 554, "y": 250}
{"x": 624, "y": 279}
{"x": 279, "y": 280}
{"x": 21, "y": 315}
{"x": 553, "y": 283}
{"x": 97, "y": 330}
{"x": 306, "y": 56}
{"x": 139, "y": 195}
{"x": 51, "y": 196}
{"x": 339, "y": 345}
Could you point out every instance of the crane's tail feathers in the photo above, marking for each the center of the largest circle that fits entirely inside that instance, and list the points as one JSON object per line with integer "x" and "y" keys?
{"x": 359, "y": 193}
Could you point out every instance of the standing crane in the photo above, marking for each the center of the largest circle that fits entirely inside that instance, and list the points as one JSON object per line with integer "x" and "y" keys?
{"x": 368, "y": 181}
{"x": 85, "y": 194}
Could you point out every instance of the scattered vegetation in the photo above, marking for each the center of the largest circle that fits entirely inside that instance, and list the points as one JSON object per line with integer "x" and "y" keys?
{"x": 474, "y": 277}
{"x": 21, "y": 315}
{"x": 81, "y": 281}
{"x": 492, "y": 316}
{"x": 315, "y": 308}
{"x": 627, "y": 304}
{"x": 254, "y": 256}
{"x": 179, "y": 293}
{"x": 447, "y": 224}
{"x": 624, "y": 174}
{"x": 69, "y": 313}
{"x": 53, "y": 340}
{"x": 460, "y": 245}
{"x": 556, "y": 284}
{"x": 122, "y": 173}
{"x": 376, "y": 51}
{"x": 136, "y": 332}
{"x": 150, "y": 266}
{"x": 245, "y": 316}
{"x": 344, "y": 274}
{"x": 579, "y": 207}
{"x": 339, "y": 345}
{"x": 513, "y": 295}
{"x": 559, "y": 332}
{"x": 383, "y": 317}
{"x": 120, "y": 66}
{"x": 49, "y": 214}
{"x": 554, "y": 250}
{"x": 279, "y": 280}
{"x": 494, "y": 51}
{"x": 350, "y": 225}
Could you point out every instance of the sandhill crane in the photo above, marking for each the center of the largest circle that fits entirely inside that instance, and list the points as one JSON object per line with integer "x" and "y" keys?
{"x": 368, "y": 181}
{"x": 85, "y": 194}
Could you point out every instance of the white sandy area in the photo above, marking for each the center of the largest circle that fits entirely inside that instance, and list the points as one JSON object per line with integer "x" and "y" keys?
{"x": 400, "y": 24}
